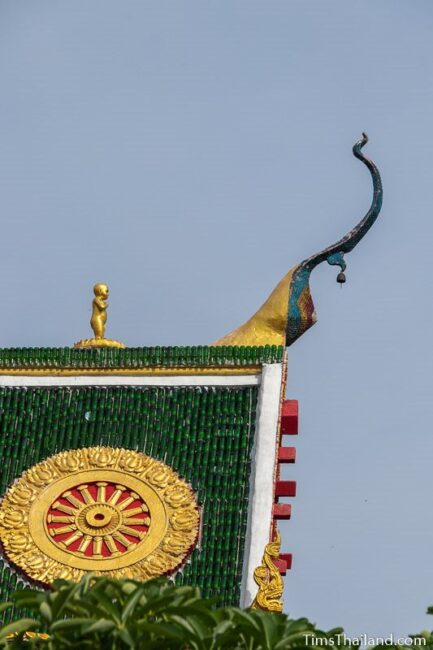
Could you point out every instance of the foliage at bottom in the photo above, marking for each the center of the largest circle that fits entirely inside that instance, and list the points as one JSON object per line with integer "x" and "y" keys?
{"x": 104, "y": 614}
{"x": 100, "y": 613}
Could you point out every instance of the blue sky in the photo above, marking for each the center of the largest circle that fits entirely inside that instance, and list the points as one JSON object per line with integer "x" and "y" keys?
{"x": 188, "y": 154}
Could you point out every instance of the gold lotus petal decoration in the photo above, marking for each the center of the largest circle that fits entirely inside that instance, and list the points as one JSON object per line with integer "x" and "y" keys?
{"x": 114, "y": 512}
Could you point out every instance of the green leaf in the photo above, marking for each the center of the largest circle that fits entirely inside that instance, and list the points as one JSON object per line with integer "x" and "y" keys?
{"x": 128, "y": 587}
{"x": 272, "y": 628}
{"x": 70, "y": 623}
{"x": 107, "y": 606}
{"x": 46, "y": 612}
{"x": 247, "y": 618}
{"x": 184, "y": 623}
{"x": 103, "y": 625}
{"x": 226, "y": 634}
{"x": 126, "y": 637}
{"x": 131, "y": 603}
{"x": 18, "y": 627}
{"x": 59, "y": 601}
{"x": 205, "y": 614}
{"x": 162, "y": 630}
{"x": 28, "y": 598}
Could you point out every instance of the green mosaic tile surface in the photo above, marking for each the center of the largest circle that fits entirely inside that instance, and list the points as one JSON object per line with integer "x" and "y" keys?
{"x": 204, "y": 433}
{"x": 140, "y": 357}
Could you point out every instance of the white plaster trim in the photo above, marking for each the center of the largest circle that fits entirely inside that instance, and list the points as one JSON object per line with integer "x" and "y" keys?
{"x": 124, "y": 380}
{"x": 262, "y": 478}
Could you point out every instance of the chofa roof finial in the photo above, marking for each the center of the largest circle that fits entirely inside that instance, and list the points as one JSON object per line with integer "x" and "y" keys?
{"x": 289, "y": 310}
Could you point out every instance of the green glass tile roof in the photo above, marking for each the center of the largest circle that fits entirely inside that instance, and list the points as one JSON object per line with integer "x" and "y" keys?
{"x": 140, "y": 357}
{"x": 204, "y": 433}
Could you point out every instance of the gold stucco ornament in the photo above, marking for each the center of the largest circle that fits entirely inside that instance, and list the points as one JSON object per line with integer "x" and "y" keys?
{"x": 114, "y": 512}
{"x": 289, "y": 311}
{"x": 267, "y": 577}
{"x": 98, "y": 321}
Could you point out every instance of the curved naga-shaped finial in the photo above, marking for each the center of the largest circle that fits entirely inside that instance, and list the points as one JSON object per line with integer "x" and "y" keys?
{"x": 289, "y": 310}
{"x": 301, "y": 314}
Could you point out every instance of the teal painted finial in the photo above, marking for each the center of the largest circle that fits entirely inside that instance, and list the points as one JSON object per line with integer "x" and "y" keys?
{"x": 301, "y": 312}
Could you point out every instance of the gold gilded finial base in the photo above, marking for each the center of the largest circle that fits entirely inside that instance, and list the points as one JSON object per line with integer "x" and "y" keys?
{"x": 99, "y": 343}
{"x": 98, "y": 321}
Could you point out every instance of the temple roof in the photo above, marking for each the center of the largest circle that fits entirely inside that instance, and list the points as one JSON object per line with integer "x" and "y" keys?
{"x": 139, "y": 358}
{"x": 220, "y": 434}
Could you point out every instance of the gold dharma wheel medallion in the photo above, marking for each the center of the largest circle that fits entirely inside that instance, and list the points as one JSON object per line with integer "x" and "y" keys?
{"x": 111, "y": 511}
{"x": 98, "y": 519}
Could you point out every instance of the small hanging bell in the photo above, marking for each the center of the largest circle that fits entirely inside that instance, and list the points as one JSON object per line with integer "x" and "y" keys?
{"x": 341, "y": 278}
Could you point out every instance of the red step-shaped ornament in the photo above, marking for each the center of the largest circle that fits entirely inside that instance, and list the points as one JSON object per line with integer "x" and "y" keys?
{"x": 282, "y": 511}
{"x": 285, "y": 489}
{"x": 287, "y": 558}
{"x": 286, "y": 454}
{"x": 281, "y": 566}
{"x": 289, "y": 417}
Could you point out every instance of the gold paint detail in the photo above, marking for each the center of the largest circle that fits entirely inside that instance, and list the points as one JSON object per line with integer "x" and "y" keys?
{"x": 114, "y": 512}
{"x": 269, "y": 580}
{"x": 29, "y": 635}
{"x": 155, "y": 371}
{"x": 268, "y": 325}
{"x": 98, "y": 321}
{"x": 99, "y": 343}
